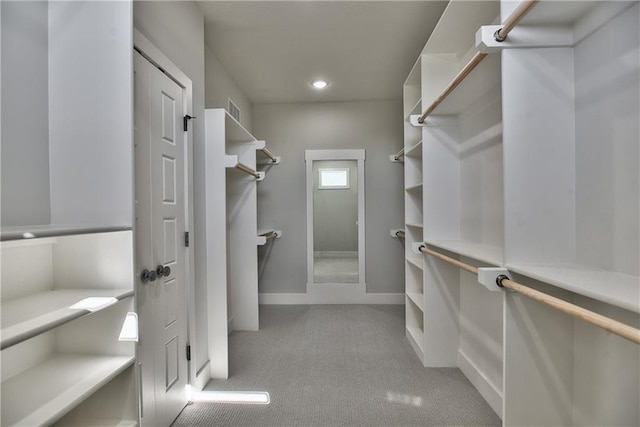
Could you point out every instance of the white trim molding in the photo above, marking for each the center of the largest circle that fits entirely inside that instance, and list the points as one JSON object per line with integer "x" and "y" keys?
{"x": 305, "y": 299}
{"x": 344, "y": 293}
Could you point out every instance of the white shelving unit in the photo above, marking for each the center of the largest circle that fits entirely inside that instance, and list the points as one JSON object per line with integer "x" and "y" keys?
{"x": 229, "y": 259}
{"x": 456, "y": 204}
{"x": 531, "y": 164}
{"x": 414, "y": 305}
{"x": 571, "y": 146}
{"x": 54, "y": 357}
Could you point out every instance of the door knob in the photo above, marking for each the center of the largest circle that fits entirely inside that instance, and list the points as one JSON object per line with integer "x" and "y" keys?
{"x": 148, "y": 276}
{"x": 163, "y": 271}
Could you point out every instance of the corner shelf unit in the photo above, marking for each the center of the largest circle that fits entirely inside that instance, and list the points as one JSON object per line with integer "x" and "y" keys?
{"x": 530, "y": 164}
{"x": 57, "y": 360}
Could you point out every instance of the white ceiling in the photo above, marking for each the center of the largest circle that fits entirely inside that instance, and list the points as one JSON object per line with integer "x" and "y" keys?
{"x": 274, "y": 49}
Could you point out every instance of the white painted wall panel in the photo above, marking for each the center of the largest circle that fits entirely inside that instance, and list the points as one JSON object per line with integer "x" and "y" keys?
{"x": 25, "y": 114}
{"x": 90, "y": 112}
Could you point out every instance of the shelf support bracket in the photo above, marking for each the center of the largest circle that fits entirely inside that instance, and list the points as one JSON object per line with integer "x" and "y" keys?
{"x": 523, "y": 37}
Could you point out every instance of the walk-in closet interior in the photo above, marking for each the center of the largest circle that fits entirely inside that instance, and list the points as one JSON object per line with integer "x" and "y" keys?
{"x": 445, "y": 232}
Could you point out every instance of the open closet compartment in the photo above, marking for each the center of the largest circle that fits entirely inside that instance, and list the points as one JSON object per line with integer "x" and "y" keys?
{"x": 65, "y": 299}
{"x": 412, "y": 158}
{"x": 459, "y": 162}
{"x": 570, "y": 94}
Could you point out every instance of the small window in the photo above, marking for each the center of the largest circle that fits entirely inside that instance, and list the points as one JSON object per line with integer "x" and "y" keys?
{"x": 333, "y": 178}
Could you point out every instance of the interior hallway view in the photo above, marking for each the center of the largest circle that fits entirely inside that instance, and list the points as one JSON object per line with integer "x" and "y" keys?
{"x": 329, "y": 365}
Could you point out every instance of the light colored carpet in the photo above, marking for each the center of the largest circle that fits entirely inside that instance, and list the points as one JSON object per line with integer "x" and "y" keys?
{"x": 335, "y": 270}
{"x": 339, "y": 365}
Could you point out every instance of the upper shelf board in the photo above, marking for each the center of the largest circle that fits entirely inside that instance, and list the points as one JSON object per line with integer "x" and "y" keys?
{"x": 40, "y": 231}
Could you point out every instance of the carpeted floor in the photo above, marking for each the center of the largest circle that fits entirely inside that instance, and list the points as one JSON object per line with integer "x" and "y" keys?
{"x": 338, "y": 365}
{"x": 335, "y": 270}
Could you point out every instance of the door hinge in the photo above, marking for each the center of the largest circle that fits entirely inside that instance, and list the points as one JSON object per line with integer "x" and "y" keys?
{"x": 185, "y": 121}
{"x": 186, "y": 239}
{"x": 188, "y": 353}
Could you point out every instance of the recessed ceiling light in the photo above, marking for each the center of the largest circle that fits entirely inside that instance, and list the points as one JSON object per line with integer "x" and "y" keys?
{"x": 319, "y": 84}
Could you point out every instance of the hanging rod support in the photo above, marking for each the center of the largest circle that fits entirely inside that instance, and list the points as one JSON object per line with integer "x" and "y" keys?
{"x": 269, "y": 154}
{"x": 512, "y": 21}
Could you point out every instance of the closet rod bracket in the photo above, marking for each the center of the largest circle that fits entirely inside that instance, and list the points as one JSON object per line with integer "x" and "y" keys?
{"x": 523, "y": 37}
{"x": 489, "y": 277}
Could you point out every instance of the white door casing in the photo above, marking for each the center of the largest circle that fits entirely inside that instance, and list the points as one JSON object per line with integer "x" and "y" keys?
{"x": 160, "y": 226}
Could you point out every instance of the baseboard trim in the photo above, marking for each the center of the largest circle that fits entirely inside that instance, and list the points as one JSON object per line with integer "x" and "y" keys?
{"x": 485, "y": 387}
{"x": 203, "y": 376}
{"x": 304, "y": 299}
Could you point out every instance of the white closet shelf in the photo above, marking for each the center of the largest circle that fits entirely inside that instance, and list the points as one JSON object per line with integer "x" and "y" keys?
{"x": 415, "y": 151}
{"x": 618, "y": 289}
{"x": 235, "y": 133}
{"x": 417, "y": 109}
{"x": 39, "y": 231}
{"x": 412, "y": 225}
{"x": 414, "y": 188}
{"x": 416, "y": 298}
{"x": 564, "y": 13}
{"x": 416, "y": 338}
{"x": 416, "y": 260}
{"x": 26, "y": 317}
{"x": 266, "y": 234}
{"x": 66, "y": 380}
{"x": 493, "y": 255}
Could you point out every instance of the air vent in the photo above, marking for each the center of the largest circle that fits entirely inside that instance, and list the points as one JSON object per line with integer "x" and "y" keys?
{"x": 234, "y": 110}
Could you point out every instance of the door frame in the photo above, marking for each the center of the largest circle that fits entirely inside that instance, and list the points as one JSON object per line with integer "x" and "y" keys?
{"x": 143, "y": 46}
{"x": 336, "y": 293}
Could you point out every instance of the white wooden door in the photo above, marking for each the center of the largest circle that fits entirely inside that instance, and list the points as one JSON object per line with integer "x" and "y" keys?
{"x": 160, "y": 219}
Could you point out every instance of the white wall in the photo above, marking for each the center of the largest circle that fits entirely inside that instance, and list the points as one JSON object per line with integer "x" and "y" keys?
{"x": 289, "y": 130}
{"x": 176, "y": 28}
{"x": 90, "y": 112}
{"x": 25, "y": 114}
{"x": 220, "y": 86}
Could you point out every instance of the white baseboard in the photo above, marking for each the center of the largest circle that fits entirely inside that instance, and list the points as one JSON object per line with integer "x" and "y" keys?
{"x": 203, "y": 376}
{"x": 304, "y": 299}
{"x": 485, "y": 387}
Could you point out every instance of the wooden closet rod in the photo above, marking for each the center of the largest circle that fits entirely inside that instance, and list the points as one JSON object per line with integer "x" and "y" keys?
{"x": 473, "y": 63}
{"x": 513, "y": 19}
{"x": 500, "y": 36}
{"x": 625, "y": 331}
{"x": 247, "y": 169}
{"x": 270, "y": 155}
{"x": 399, "y": 154}
{"x": 400, "y": 234}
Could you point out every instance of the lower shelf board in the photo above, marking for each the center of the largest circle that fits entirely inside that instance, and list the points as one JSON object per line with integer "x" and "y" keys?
{"x": 618, "y": 289}
{"x": 416, "y": 298}
{"x": 43, "y": 394}
{"x": 416, "y": 336}
{"x": 415, "y": 260}
{"x": 26, "y": 317}
{"x": 493, "y": 255}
